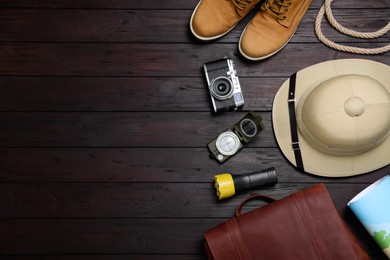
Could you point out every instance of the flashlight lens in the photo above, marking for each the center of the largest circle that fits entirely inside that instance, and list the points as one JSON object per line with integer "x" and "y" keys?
{"x": 224, "y": 185}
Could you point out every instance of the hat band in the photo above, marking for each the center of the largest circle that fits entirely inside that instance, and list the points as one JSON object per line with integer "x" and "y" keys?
{"x": 293, "y": 123}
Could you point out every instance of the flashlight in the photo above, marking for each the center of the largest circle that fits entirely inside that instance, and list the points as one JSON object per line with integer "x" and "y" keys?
{"x": 227, "y": 184}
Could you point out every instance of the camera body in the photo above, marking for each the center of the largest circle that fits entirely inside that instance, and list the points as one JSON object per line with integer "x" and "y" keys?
{"x": 231, "y": 141}
{"x": 224, "y": 86}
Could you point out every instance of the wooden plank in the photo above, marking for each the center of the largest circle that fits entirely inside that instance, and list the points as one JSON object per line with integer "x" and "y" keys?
{"x": 110, "y": 110}
{"x": 140, "y": 165}
{"x": 108, "y": 257}
{"x": 125, "y": 93}
{"x": 103, "y": 236}
{"x": 157, "y": 4}
{"x": 121, "y": 236}
{"x": 134, "y": 129}
{"x": 157, "y": 25}
{"x": 142, "y": 200}
{"x": 78, "y": 59}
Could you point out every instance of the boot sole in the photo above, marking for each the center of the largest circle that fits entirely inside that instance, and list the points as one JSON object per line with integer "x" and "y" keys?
{"x": 201, "y": 37}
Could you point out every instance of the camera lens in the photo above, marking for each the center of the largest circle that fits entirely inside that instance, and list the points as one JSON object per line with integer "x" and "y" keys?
{"x": 221, "y": 88}
{"x": 248, "y": 127}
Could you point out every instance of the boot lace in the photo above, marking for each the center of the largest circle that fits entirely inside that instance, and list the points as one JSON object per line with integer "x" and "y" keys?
{"x": 241, "y": 4}
{"x": 277, "y": 8}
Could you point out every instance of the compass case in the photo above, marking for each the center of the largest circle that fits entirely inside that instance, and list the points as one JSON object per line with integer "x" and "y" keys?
{"x": 230, "y": 142}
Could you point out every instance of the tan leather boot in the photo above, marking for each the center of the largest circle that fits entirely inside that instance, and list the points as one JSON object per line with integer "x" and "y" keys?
{"x": 271, "y": 28}
{"x": 212, "y": 19}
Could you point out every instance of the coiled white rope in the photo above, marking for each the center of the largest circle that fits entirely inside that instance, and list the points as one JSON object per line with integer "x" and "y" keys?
{"x": 369, "y": 35}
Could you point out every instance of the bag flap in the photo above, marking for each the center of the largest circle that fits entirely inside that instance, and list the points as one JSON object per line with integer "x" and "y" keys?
{"x": 304, "y": 225}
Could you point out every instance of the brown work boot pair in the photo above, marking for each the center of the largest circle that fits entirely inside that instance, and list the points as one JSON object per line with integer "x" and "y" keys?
{"x": 266, "y": 34}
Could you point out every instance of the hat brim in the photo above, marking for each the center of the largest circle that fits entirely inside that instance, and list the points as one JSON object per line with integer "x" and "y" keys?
{"x": 315, "y": 161}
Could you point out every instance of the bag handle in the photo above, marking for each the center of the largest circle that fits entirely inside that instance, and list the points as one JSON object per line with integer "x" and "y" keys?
{"x": 253, "y": 196}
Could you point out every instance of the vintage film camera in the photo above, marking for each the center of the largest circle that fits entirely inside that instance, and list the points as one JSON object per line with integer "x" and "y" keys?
{"x": 231, "y": 141}
{"x": 224, "y": 86}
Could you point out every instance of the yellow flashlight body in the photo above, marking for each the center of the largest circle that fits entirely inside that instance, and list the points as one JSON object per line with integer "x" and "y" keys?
{"x": 227, "y": 185}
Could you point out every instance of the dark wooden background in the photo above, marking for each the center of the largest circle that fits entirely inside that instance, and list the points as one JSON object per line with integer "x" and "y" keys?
{"x": 105, "y": 117}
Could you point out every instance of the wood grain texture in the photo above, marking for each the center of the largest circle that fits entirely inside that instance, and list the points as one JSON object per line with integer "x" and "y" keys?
{"x": 144, "y": 165}
{"x": 170, "y": 94}
{"x": 148, "y": 236}
{"x": 111, "y": 200}
{"x": 122, "y": 129}
{"x": 157, "y": 4}
{"x": 159, "y": 26}
{"x": 152, "y": 59}
{"x": 105, "y": 118}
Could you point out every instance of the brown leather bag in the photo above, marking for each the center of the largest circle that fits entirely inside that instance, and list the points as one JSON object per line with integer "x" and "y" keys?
{"x": 304, "y": 225}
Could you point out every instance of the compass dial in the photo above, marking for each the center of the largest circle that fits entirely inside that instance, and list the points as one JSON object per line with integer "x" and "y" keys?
{"x": 227, "y": 143}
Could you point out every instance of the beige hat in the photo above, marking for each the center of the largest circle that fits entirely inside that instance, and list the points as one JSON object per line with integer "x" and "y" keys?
{"x": 340, "y": 117}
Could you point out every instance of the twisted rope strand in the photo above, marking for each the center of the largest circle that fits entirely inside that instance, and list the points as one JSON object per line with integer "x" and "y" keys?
{"x": 326, "y": 9}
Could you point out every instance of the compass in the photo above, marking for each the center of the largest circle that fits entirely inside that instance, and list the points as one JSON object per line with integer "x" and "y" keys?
{"x": 231, "y": 141}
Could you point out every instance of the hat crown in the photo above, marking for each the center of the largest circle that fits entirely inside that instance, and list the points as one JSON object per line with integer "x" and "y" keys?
{"x": 345, "y": 115}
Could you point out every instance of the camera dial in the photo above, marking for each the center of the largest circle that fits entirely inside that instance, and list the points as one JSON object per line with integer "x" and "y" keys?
{"x": 221, "y": 88}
